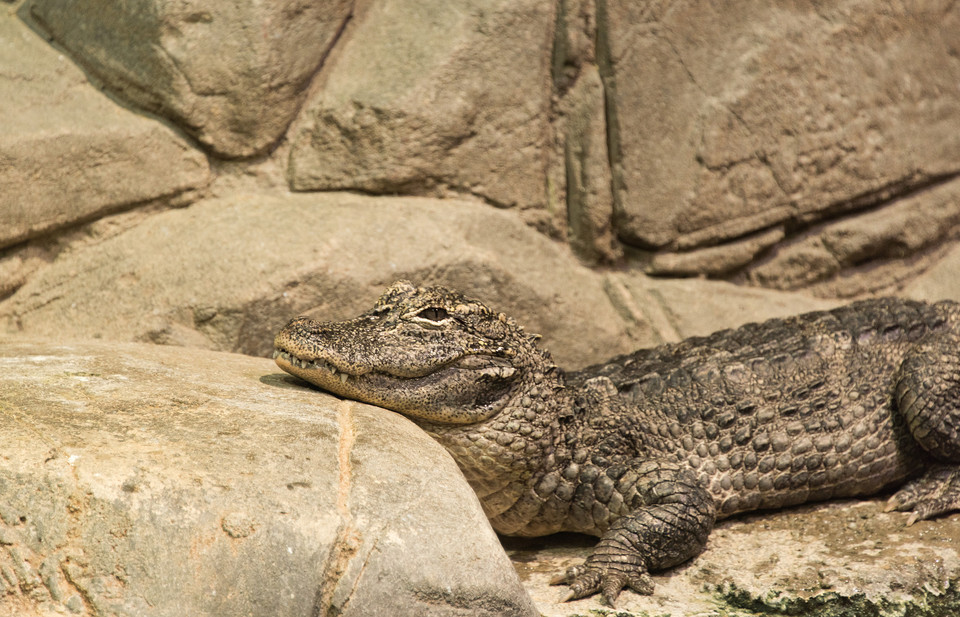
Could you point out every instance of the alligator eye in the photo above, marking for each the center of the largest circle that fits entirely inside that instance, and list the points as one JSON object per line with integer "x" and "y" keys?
{"x": 434, "y": 313}
{"x": 377, "y": 312}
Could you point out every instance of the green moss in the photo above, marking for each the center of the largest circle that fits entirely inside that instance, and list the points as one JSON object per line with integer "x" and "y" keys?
{"x": 943, "y": 602}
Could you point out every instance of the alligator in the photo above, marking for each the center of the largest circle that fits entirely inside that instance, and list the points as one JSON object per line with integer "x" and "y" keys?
{"x": 649, "y": 449}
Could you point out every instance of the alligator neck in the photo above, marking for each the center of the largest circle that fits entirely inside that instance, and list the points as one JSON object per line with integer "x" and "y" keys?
{"x": 501, "y": 455}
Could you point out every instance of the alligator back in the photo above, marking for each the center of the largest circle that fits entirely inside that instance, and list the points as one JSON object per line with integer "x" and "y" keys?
{"x": 784, "y": 411}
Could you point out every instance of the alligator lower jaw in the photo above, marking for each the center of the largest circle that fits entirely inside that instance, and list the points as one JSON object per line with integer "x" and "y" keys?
{"x": 324, "y": 374}
{"x": 465, "y": 391}
{"x": 374, "y": 387}
{"x": 286, "y": 358}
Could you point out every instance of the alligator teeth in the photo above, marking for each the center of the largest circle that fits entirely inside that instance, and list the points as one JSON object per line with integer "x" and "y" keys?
{"x": 310, "y": 364}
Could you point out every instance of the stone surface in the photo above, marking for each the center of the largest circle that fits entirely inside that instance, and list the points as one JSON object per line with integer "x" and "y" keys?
{"x": 841, "y": 559}
{"x": 433, "y": 97}
{"x": 151, "y": 481}
{"x": 67, "y": 153}
{"x": 588, "y": 181}
{"x": 228, "y": 273}
{"x": 734, "y": 142}
{"x": 939, "y": 282}
{"x": 232, "y": 74}
{"x": 715, "y": 260}
{"x": 681, "y": 308}
{"x": 737, "y": 118}
{"x": 891, "y": 233}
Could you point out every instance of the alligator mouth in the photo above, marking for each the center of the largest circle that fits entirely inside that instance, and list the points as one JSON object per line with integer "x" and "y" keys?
{"x": 328, "y": 376}
{"x": 483, "y": 363}
{"x": 465, "y": 389}
{"x": 316, "y": 366}
{"x": 368, "y": 385}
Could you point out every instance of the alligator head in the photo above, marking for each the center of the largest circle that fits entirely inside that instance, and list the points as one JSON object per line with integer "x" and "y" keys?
{"x": 429, "y": 353}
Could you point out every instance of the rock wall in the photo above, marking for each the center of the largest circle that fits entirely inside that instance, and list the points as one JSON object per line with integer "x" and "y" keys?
{"x": 230, "y": 74}
{"x": 789, "y": 146}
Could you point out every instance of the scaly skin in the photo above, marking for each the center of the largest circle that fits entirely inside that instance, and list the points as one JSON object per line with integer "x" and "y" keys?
{"x": 649, "y": 449}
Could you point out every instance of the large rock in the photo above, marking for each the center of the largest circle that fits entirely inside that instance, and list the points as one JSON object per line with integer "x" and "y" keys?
{"x": 228, "y": 273}
{"x": 740, "y": 117}
{"x": 148, "y": 481}
{"x": 680, "y": 308}
{"x": 232, "y": 74}
{"x": 69, "y": 154}
{"x": 433, "y": 96}
{"x": 587, "y": 178}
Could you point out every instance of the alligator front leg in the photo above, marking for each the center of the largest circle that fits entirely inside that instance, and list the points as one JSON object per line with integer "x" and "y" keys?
{"x": 670, "y": 517}
{"x": 928, "y": 395}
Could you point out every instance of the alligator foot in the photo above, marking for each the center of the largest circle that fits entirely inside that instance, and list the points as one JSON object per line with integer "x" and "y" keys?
{"x": 935, "y": 492}
{"x": 587, "y": 580}
{"x": 669, "y": 524}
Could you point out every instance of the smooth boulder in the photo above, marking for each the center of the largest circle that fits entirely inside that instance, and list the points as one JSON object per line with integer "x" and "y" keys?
{"x": 142, "y": 480}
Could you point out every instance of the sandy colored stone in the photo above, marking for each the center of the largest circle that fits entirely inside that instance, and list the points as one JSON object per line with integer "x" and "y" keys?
{"x": 733, "y": 118}
{"x": 588, "y": 181}
{"x": 675, "y": 309}
{"x": 714, "y": 260}
{"x": 895, "y": 231}
{"x": 228, "y": 273}
{"x": 232, "y": 74}
{"x": 433, "y": 97}
{"x": 940, "y": 282}
{"x": 142, "y": 481}
{"x": 68, "y": 153}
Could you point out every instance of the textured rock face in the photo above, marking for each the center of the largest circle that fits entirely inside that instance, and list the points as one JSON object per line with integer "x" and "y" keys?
{"x": 425, "y": 97}
{"x": 940, "y": 281}
{"x": 234, "y": 491}
{"x": 586, "y": 166}
{"x": 745, "y": 117}
{"x": 265, "y": 259}
{"x": 69, "y": 154}
{"x": 735, "y": 141}
{"x": 892, "y": 239}
{"x": 232, "y": 74}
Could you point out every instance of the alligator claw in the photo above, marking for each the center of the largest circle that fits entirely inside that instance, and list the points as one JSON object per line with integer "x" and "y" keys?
{"x": 891, "y": 505}
{"x": 588, "y": 580}
{"x": 934, "y": 493}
